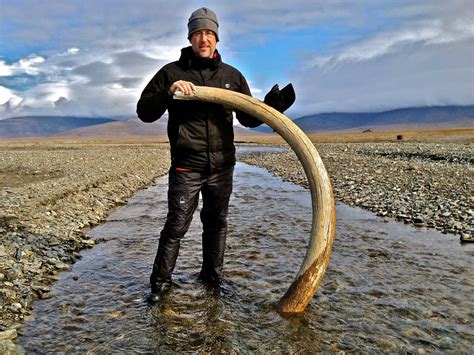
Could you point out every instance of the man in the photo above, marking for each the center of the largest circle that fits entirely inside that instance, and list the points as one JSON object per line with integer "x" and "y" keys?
{"x": 202, "y": 148}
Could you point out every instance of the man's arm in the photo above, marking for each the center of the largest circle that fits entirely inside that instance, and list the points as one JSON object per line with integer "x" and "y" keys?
{"x": 157, "y": 96}
{"x": 154, "y": 99}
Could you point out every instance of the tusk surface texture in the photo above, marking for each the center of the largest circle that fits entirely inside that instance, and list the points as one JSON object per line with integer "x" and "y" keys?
{"x": 318, "y": 253}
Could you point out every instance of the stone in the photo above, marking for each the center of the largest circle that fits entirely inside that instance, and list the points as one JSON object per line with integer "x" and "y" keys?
{"x": 88, "y": 242}
{"x": 446, "y": 343}
{"x": 7, "y": 347}
{"x": 418, "y": 219}
{"x": 8, "y": 294}
{"x": 8, "y": 334}
{"x": 45, "y": 295}
{"x": 465, "y": 237}
{"x": 457, "y": 225}
{"x": 54, "y": 241}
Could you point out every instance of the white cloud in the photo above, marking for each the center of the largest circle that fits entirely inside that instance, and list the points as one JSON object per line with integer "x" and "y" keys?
{"x": 5, "y": 69}
{"x": 9, "y": 101}
{"x": 386, "y": 55}
{"x": 424, "y": 56}
{"x": 6, "y": 95}
{"x": 45, "y": 95}
{"x": 28, "y": 65}
{"x": 389, "y": 42}
{"x": 73, "y": 50}
{"x": 256, "y": 91}
{"x": 83, "y": 83}
{"x": 69, "y": 52}
{"x": 414, "y": 75}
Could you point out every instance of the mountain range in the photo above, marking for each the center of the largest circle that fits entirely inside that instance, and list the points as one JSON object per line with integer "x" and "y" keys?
{"x": 86, "y": 127}
{"x": 403, "y": 118}
{"x": 45, "y": 126}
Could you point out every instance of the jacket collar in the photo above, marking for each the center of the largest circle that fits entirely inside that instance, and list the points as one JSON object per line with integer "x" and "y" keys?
{"x": 189, "y": 60}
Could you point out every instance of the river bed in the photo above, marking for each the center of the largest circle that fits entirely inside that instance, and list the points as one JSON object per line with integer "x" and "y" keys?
{"x": 388, "y": 287}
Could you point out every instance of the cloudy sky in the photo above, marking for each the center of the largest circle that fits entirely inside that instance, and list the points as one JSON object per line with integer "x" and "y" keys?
{"x": 93, "y": 58}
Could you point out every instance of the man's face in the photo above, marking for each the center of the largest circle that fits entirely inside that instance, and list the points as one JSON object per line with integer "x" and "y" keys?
{"x": 203, "y": 43}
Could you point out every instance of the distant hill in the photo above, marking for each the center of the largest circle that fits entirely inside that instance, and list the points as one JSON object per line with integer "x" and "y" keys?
{"x": 133, "y": 127}
{"x": 405, "y": 118}
{"x": 129, "y": 128}
{"x": 44, "y": 126}
{"x": 86, "y": 127}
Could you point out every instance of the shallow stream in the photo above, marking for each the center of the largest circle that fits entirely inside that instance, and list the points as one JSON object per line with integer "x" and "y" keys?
{"x": 389, "y": 286}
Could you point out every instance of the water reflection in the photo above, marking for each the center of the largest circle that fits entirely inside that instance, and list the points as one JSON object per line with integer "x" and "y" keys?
{"x": 389, "y": 287}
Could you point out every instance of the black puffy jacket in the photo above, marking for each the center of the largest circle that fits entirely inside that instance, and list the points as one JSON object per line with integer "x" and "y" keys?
{"x": 201, "y": 134}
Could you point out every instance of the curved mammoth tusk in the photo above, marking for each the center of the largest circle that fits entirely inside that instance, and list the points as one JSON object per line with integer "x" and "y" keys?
{"x": 302, "y": 290}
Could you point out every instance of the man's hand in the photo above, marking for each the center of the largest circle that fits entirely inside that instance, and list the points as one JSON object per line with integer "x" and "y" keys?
{"x": 186, "y": 87}
{"x": 282, "y": 99}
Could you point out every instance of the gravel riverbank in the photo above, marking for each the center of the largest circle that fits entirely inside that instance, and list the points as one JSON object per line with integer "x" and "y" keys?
{"x": 50, "y": 194}
{"x": 425, "y": 184}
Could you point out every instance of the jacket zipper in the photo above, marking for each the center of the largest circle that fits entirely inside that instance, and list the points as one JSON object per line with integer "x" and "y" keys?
{"x": 207, "y": 129}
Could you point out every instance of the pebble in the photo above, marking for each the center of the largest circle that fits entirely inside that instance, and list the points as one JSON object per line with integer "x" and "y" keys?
{"x": 8, "y": 334}
{"x": 446, "y": 342}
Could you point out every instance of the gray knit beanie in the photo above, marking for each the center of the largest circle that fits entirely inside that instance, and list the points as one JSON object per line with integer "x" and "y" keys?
{"x": 203, "y": 19}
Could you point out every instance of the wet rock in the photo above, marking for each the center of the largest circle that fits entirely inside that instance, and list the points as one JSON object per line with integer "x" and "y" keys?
{"x": 418, "y": 219}
{"x": 115, "y": 314}
{"x": 42, "y": 288}
{"x": 88, "y": 242}
{"x": 375, "y": 253}
{"x": 18, "y": 254}
{"x": 44, "y": 295}
{"x": 428, "y": 314}
{"x": 446, "y": 343}
{"x": 467, "y": 237}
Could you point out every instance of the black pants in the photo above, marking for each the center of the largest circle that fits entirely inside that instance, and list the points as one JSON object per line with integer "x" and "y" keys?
{"x": 183, "y": 198}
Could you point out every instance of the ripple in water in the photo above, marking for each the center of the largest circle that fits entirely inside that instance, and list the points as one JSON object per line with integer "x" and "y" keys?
{"x": 389, "y": 287}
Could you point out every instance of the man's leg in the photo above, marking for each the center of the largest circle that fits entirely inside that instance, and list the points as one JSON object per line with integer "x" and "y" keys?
{"x": 215, "y": 195}
{"x": 183, "y": 198}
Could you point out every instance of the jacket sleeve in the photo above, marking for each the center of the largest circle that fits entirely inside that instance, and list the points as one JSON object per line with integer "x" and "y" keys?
{"x": 245, "y": 119}
{"x": 154, "y": 99}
